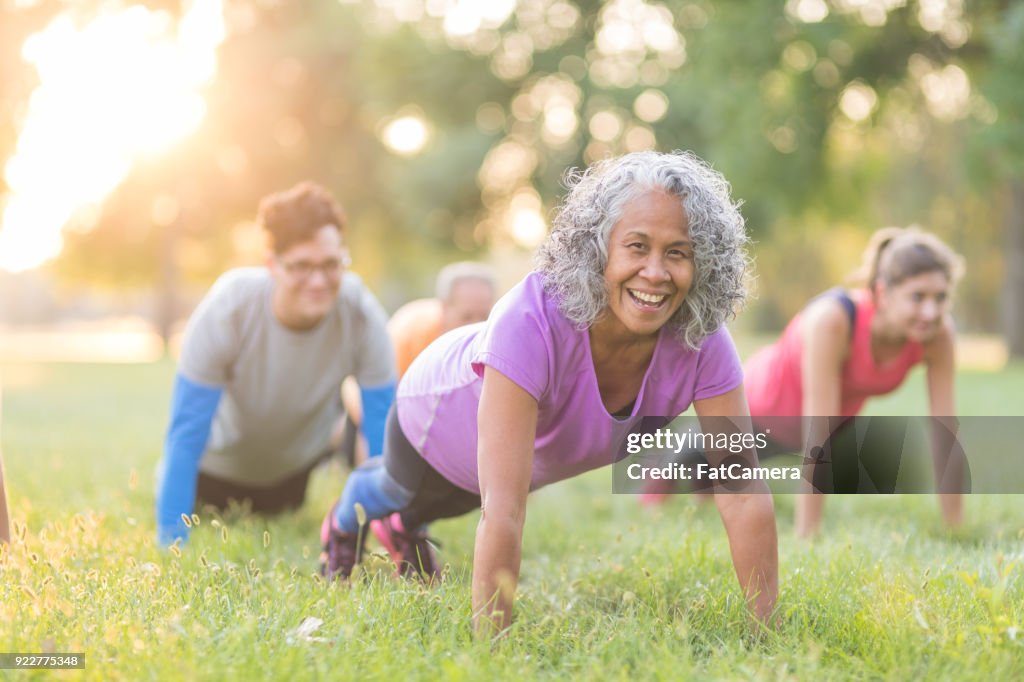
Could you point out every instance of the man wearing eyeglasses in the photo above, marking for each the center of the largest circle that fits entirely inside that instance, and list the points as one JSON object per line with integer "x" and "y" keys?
{"x": 256, "y": 393}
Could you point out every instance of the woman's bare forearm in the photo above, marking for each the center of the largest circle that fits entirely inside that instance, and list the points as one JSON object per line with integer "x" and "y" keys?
{"x": 496, "y": 560}
{"x": 507, "y": 419}
{"x": 749, "y": 521}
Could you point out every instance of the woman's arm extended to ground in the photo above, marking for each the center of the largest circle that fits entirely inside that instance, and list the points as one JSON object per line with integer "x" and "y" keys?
{"x": 940, "y": 357}
{"x": 826, "y": 342}
{"x": 507, "y": 421}
{"x": 749, "y": 516}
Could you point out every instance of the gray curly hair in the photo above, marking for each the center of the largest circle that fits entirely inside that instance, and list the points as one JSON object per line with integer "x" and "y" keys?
{"x": 573, "y": 257}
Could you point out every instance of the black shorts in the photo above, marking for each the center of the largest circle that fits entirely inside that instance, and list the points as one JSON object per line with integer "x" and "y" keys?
{"x": 285, "y": 495}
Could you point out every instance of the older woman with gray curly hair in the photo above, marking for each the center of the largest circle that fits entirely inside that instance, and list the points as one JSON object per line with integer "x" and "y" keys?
{"x": 622, "y": 319}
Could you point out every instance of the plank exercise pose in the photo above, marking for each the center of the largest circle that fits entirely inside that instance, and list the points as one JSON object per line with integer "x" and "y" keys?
{"x": 622, "y": 318}
{"x": 256, "y": 395}
{"x": 847, "y": 346}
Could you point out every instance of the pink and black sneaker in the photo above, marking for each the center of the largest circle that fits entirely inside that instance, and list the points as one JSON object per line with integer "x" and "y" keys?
{"x": 412, "y": 552}
{"x": 340, "y": 551}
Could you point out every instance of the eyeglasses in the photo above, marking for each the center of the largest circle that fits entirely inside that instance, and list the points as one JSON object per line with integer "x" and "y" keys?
{"x": 301, "y": 270}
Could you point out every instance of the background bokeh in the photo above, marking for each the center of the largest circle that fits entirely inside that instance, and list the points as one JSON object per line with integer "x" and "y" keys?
{"x": 137, "y": 138}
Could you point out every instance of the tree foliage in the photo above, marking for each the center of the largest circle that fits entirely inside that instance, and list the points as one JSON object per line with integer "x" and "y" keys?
{"x": 828, "y": 126}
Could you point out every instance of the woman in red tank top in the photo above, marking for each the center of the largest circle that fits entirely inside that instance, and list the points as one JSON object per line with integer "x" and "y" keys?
{"x": 846, "y": 347}
{"x": 902, "y": 318}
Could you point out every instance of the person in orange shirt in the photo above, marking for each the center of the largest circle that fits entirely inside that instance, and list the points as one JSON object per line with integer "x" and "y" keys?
{"x": 465, "y": 293}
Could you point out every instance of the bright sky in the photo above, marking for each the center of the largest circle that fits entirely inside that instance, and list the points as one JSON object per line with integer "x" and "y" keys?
{"x": 113, "y": 90}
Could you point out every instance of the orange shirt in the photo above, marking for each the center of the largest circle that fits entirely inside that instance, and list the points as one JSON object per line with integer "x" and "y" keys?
{"x": 412, "y": 328}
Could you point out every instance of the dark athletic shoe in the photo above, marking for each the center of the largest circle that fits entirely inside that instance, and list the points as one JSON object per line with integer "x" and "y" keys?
{"x": 413, "y": 553}
{"x": 340, "y": 551}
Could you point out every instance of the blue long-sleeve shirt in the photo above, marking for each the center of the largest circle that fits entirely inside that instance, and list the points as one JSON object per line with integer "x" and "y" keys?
{"x": 376, "y": 403}
{"x": 193, "y": 407}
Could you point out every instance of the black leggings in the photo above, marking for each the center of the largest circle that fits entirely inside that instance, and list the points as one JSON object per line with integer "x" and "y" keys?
{"x": 402, "y": 474}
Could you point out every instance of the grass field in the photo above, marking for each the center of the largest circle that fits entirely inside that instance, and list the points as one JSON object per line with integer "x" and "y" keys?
{"x": 609, "y": 590}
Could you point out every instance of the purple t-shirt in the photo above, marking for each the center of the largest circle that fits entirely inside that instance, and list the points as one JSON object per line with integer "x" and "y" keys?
{"x": 531, "y": 342}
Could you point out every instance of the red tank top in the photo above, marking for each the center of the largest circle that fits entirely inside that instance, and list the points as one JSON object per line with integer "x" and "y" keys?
{"x": 773, "y": 377}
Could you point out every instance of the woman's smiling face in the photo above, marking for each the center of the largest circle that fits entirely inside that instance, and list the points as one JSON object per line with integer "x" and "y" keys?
{"x": 650, "y": 264}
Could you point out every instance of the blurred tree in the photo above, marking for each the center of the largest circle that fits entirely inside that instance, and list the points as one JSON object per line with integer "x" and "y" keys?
{"x": 998, "y": 162}
{"x": 301, "y": 92}
{"x": 830, "y": 118}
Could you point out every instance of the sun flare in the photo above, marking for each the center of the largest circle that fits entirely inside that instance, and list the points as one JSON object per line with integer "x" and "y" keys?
{"x": 121, "y": 87}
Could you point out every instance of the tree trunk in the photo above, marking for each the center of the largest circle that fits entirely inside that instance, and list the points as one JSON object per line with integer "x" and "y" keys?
{"x": 1013, "y": 287}
{"x": 167, "y": 296}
